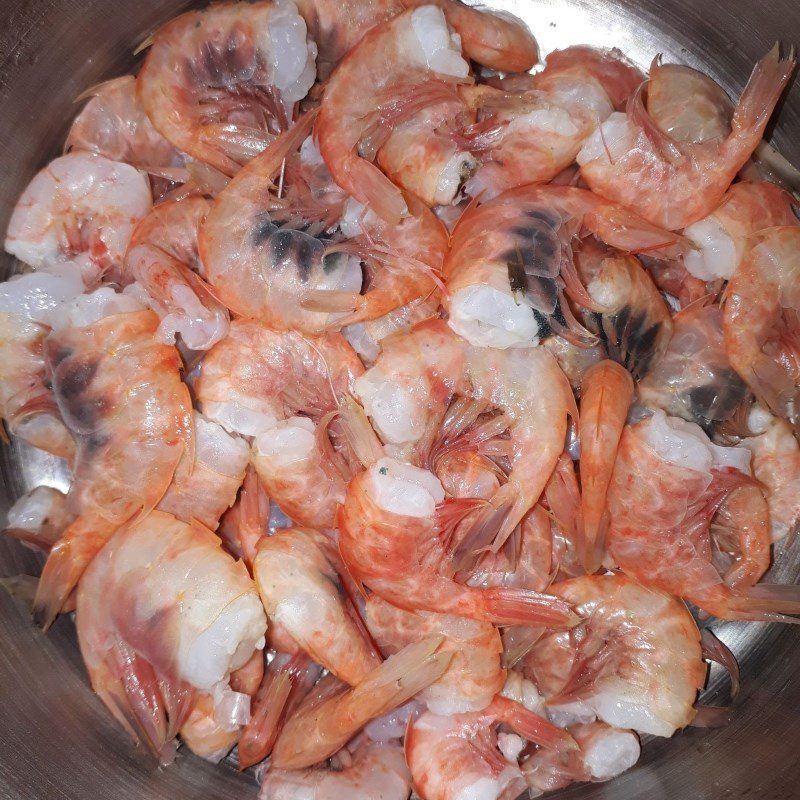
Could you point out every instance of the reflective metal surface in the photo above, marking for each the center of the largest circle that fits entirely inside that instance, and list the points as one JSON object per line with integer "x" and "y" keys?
{"x": 56, "y": 741}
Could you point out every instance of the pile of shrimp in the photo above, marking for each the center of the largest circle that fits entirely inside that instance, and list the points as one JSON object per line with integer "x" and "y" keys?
{"x": 425, "y": 400}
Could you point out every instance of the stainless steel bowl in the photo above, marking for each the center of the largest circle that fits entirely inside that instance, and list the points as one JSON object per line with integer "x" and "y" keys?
{"x": 56, "y": 740}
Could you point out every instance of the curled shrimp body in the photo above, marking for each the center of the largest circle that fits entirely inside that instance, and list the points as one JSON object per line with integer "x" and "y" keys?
{"x": 164, "y": 612}
{"x": 694, "y": 378}
{"x": 474, "y": 675}
{"x": 634, "y": 660}
{"x": 302, "y": 592}
{"x": 760, "y": 321}
{"x": 671, "y": 183}
{"x": 721, "y": 238}
{"x": 163, "y": 262}
{"x": 81, "y": 208}
{"x": 255, "y": 382}
{"x": 389, "y": 542}
{"x": 371, "y": 771}
{"x": 120, "y": 394}
{"x": 776, "y": 465}
{"x": 113, "y": 124}
{"x": 407, "y": 393}
{"x": 458, "y": 756}
{"x": 668, "y": 482}
{"x": 511, "y": 263}
{"x": 219, "y": 82}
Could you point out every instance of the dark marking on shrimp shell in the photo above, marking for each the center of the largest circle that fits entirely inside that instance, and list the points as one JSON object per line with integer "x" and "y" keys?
{"x": 716, "y": 401}
{"x": 630, "y": 339}
{"x": 74, "y": 379}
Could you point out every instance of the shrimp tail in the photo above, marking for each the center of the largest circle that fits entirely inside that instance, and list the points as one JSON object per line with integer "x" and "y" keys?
{"x": 504, "y": 606}
{"x": 531, "y": 726}
{"x": 67, "y": 560}
{"x": 254, "y": 518}
{"x": 372, "y": 188}
{"x": 762, "y": 603}
{"x": 360, "y": 436}
{"x": 625, "y": 230}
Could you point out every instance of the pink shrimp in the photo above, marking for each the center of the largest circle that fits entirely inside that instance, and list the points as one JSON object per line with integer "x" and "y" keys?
{"x": 120, "y": 394}
{"x": 511, "y": 262}
{"x": 219, "y": 82}
{"x": 163, "y": 613}
{"x": 606, "y": 396}
{"x": 671, "y": 183}
{"x": 300, "y": 587}
{"x": 760, "y": 319}
{"x": 37, "y": 518}
{"x": 255, "y": 382}
{"x": 669, "y": 479}
{"x": 458, "y": 756}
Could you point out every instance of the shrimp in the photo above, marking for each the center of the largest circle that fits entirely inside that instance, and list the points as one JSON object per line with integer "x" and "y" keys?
{"x": 606, "y": 396}
{"x": 604, "y": 752}
{"x": 721, "y": 239}
{"x": 219, "y": 82}
{"x": 254, "y": 382}
{"x": 162, "y": 261}
{"x": 408, "y": 391}
{"x": 163, "y": 612}
{"x": 389, "y": 541}
{"x": 81, "y": 208}
{"x": 298, "y": 582}
{"x": 511, "y": 262}
{"x": 760, "y": 319}
{"x": 474, "y": 675}
{"x": 207, "y": 488}
{"x": 247, "y": 521}
{"x": 113, "y": 124}
{"x": 457, "y": 756}
{"x": 38, "y": 518}
{"x": 634, "y": 661}
{"x": 120, "y": 394}
{"x": 369, "y": 771}
{"x": 671, "y": 183}
{"x": 574, "y": 361}
{"x": 333, "y": 714}
{"x": 669, "y": 480}
{"x": 630, "y": 316}
{"x": 288, "y": 277}
{"x": 694, "y": 379}
{"x": 776, "y": 466}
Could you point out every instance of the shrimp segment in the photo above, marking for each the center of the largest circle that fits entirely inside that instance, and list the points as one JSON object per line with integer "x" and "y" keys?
{"x": 164, "y": 612}
{"x": 219, "y": 82}
{"x": 606, "y": 396}
{"x": 671, "y": 183}
{"x": 302, "y": 592}
{"x": 120, "y": 394}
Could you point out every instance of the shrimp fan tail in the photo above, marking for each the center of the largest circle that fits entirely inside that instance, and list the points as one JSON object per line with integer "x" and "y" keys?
{"x": 503, "y": 606}
{"x": 531, "y": 726}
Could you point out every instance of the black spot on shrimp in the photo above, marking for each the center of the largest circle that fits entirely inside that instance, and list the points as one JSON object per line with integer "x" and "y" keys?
{"x": 296, "y": 250}
{"x": 74, "y": 379}
{"x": 263, "y": 229}
{"x": 630, "y": 338}
{"x": 716, "y": 401}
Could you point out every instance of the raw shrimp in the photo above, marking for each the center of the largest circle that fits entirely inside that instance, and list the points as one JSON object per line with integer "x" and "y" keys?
{"x": 255, "y": 382}
{"x": 388, "y": 539}
{"x": 761, "y": 319}
{"x": 668, "y": 481}
{"x": 162, "y": 261}
{"x": 458, "y": 757}
{"x": 511, "y": 262}
{"x": 722, "y": 238}
{"x": 467, "y": 473}
{"x": 113, "y": 124}
{"x": 634, "y": 661}
{"x": 604, "y": 752}
{"x": 630, "y": 316}
{"x": 219, "y": 82}
{"x": 371, "y": 771}
{"x": 163, "y": 612}
{"x": 288, "y": 277}
{"x": 121, "y": 396}
{"x": 205, "y": 488}
{"x": 247, "y": 521}
{"x": 301, "y": 591}
{"x": 333, "y": 714}
{"x": 81, "y": 208}
{"x": 694, "y": 378}
{"x": 776, "y": 466}
{"x": 408, "y": 391}
{"x": 474, "y": 675}
{"x": 606, "y": 396}
{"x": 38, "y": 517}
{"x": 671, "y": 183}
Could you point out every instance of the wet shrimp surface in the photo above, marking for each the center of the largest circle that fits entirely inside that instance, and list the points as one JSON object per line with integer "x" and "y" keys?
{"x": 420, "y": 393}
